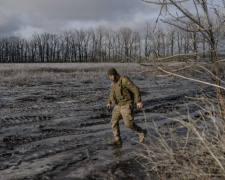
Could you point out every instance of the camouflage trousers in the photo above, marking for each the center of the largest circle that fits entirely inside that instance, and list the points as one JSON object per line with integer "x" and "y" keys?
{"x": 125, "y": 112}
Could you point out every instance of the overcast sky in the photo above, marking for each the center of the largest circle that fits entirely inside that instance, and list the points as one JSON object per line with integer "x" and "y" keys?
{"x": 25, "y": 17}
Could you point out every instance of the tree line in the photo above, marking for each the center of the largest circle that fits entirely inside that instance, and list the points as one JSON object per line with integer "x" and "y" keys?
{"x": 103, "y": 45}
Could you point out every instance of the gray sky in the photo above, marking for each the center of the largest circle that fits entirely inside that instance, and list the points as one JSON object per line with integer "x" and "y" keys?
{"x": 25, "y": 17}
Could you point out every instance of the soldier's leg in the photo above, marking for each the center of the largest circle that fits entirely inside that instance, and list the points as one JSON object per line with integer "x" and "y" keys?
{"x": 127, "y": 114}
{"x": 116, "y": 116}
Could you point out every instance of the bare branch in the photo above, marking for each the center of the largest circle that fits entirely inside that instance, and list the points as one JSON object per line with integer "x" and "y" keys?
{"x": 191, "y": 79}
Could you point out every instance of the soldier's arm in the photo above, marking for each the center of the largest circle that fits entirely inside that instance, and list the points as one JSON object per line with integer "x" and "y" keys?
{"x": 133, "y": 88}
{"x": 109, "y": 99}
{"x": 111, "y": 96}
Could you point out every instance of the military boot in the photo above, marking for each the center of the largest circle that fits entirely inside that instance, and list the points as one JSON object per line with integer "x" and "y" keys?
{"x": 142, "y": 136}
{"x": 116, "y": 141}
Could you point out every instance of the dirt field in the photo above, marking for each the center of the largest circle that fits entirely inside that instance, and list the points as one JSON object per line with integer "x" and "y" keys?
{"x": 54, "y": 123}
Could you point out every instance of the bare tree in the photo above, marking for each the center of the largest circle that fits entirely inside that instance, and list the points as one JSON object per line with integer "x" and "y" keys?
{"x": 148, "y": 46}
{"x": 39, "y": 39}
{"x": 126, "y": 34}
{"x": 109, "y": 43}
{"x": 158, "y": 42}
{"x": 208, "y": 21}
{"x": 135, "y": 46}
{"x": 171, "y": 40}
{"x": 100, "y": 34}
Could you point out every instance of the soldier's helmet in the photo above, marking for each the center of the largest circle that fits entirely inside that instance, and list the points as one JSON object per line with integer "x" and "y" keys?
{"x": 112, "y": 71}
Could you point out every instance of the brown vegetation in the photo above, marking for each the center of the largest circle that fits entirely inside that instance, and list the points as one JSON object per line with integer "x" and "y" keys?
{"x": 186, "y": 148}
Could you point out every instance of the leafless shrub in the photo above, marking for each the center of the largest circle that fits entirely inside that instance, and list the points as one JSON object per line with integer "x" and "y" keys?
{"x": 193, "y": 148}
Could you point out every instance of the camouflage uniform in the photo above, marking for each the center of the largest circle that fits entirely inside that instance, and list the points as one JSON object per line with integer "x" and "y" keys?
{"x": 122, "y": 94}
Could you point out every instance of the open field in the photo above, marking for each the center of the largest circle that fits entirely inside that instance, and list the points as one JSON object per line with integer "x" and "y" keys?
{"x": 54, "y": 123}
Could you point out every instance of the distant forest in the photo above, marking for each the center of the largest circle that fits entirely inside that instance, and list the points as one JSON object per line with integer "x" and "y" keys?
{"x": 104, "y": 45}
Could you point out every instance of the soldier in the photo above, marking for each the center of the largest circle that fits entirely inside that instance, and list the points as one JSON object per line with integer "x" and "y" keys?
{"x": 122, "y": 94}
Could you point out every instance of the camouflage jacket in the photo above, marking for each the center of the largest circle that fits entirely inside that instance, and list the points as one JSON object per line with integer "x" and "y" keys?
{"x": 123, "y": 92}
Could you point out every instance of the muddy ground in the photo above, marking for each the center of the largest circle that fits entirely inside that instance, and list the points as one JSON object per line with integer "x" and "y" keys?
{"x": 59, "y": 129}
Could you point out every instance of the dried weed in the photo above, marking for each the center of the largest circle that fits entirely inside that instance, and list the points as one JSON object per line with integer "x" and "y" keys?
{"x": 186, "y": 149}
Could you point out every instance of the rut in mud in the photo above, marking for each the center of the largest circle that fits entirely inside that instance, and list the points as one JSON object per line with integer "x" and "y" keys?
{"x": 59, "y": 129}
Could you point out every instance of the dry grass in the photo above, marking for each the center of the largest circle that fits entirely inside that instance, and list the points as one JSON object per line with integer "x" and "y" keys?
{"x": 186, "y": 149}
{"x": 31, "y": 74}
